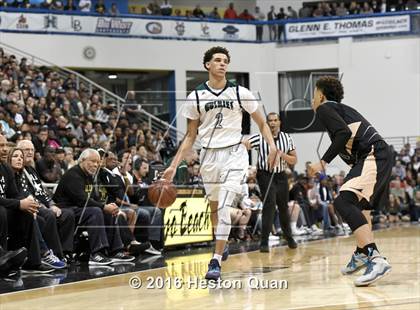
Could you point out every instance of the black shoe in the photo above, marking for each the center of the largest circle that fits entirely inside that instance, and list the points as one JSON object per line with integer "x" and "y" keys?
{"x": 13, "y": 260}
{"x": 69, "y": 258}
{"x": 99, "y": 259}
{"x": 41, "y": 269}
{"x": 120, "y": 257}
{"x": 264, "y": 249}
{"x": 291, "y": 243}
{"x": 136, "y": 249}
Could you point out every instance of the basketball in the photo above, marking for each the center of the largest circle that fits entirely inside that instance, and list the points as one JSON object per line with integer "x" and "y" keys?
{"x": 162, "y": 193}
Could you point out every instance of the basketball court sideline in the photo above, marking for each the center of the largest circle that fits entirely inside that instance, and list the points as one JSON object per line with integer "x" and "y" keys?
{"x": 306, "y": 278}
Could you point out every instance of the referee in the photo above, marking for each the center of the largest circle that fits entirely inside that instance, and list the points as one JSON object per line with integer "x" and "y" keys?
{"x": 273, "y": 184}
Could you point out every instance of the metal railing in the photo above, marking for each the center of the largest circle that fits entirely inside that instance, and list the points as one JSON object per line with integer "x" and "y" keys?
{"x": 399, "y": 142}
{"x": 155, "y": 123}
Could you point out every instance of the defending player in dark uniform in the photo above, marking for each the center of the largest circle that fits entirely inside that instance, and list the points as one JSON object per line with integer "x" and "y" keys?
{"x": 360, "y": 146}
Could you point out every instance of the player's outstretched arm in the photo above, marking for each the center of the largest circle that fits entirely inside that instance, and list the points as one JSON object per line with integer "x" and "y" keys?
{"x": 268, "y": 137}
{"x": 186, "y": 146}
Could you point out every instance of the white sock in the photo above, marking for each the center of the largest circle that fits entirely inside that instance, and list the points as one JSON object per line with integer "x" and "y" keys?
{"x": 293, "y": 225}
{"x": 218, "y": 257}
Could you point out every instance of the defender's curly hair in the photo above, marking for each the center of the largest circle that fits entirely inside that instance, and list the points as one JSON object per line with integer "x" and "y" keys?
{"x": 331, "y": 88}
{"x": 208, "y": 55}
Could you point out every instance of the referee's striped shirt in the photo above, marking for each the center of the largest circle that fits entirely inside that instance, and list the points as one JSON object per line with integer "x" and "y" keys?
{"x": 283, "y": 141}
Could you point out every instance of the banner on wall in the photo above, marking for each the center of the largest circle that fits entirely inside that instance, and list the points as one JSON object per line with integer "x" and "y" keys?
{"x": 187, "y": 220}
{"x": 118, "y": 26}
{"x": 348, "y": 27}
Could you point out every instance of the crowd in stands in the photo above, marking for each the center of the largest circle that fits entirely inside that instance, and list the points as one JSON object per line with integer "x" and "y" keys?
{"x": 54, "y": 131}
{"x": 315, "y": 9}
{"x": 165, "y": 8}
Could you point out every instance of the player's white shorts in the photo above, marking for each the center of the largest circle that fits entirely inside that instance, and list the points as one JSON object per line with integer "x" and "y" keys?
{"x": 223, "y": 168}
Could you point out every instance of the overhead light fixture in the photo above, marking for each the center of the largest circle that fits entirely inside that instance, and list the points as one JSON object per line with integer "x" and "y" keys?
{"x": 112, "y": 76}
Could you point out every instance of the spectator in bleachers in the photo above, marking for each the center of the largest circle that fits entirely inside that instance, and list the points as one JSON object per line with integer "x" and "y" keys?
{"x": 342, "y": 10}
{"x": 305, "y": 11}
{"x": 334, "y": 7}
{"x": 320, "y": 199}
{"x": 25, "y": 4}
{"x": 214, "y": 14}
{"x": 57, "y": 5}
{"x": 416, "y": 203}
{"x": 280, "y": 29}
{"x": 96, "y": 113}
{"x": 76, "y": 190}
{"x": 166, "y": 148}
{"x": 230, "y": 12}
{"x": 70, "y": 6}
{"x": 5, "y": 87}
{"x": 100, "y": 7}
{"x": 177, "y": 13}
{"x": 198, "y": 12}
{"x": 376, "y": 7}
{"x": 399, "y": 170}
{"x": 196, "y": 178}
{"x": 113, "y": 190}
{"x": 354, "y": 8}
{"x": 149, "y": 218}
{"x": 327, "y": 10}
{"x": 240, "y": 213}
{"x": 153, "y": 8}
{"x": 412, "y": 5}
{"x": 50, "y": 244}
{"x": 366, "y": 9}
{"x": 166, "y": 8}
{"x": 394, "y": 208}
{"x": 113, "y": 11}
{"x": 17, "y": 223}
{"x": 291, "y": 13}
{"x": 259, "y": 16}
{"x": 272, "y": 29}
{"x": 299, "y": 194}
{"x": 69, "y": 157}
{"x": 47, "y": 166}
{"x": 318, "y": 12}
{"x": 245, "y": 15}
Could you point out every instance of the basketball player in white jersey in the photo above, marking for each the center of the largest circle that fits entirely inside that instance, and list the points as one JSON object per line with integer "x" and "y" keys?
{"x": 214, "y": 110}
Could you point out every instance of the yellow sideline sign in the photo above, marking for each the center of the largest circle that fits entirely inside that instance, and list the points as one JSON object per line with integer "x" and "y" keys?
{"x": 188, "y": 221}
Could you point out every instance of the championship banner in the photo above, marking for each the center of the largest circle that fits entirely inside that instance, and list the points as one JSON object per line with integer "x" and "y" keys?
{"x": 348, "y": 27}
{"x": 124, "y": 26}
{"x": 188, "y": 219}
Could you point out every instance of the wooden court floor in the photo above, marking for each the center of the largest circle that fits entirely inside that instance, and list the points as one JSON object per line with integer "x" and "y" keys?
{"x": 311, "y": 271}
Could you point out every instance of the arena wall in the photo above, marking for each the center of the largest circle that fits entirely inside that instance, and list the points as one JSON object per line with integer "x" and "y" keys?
{"x": 381, "y": 75}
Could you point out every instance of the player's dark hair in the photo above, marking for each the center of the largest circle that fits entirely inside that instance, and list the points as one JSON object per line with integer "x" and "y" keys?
{"x": 331, "y": 88}
{"x": 208, "y": 55}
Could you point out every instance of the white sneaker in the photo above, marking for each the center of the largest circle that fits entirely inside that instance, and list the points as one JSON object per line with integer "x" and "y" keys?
{"x": 357, "y": 261}
{"x": 339, "y": 230}
{"x": 298, "y": 232}
{"x": 316, "y": 231}
{"x": 307, "y": 230}
{"x": 377, "y": 267}
{"x": 272, "y": 237}
{"x": 152, "y": 251}
{"x": 346, "y": 227}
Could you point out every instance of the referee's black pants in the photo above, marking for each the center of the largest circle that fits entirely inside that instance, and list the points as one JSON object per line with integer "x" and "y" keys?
{"x": 276, "y": 193}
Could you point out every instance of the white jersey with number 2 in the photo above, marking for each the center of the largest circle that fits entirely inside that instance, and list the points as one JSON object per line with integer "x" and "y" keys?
{"x": 219, "y": 112}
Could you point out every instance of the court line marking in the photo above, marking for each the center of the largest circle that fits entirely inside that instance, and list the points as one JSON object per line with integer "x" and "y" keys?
{"x": 153, "y": 269}
{"x": 322, "y": 306}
